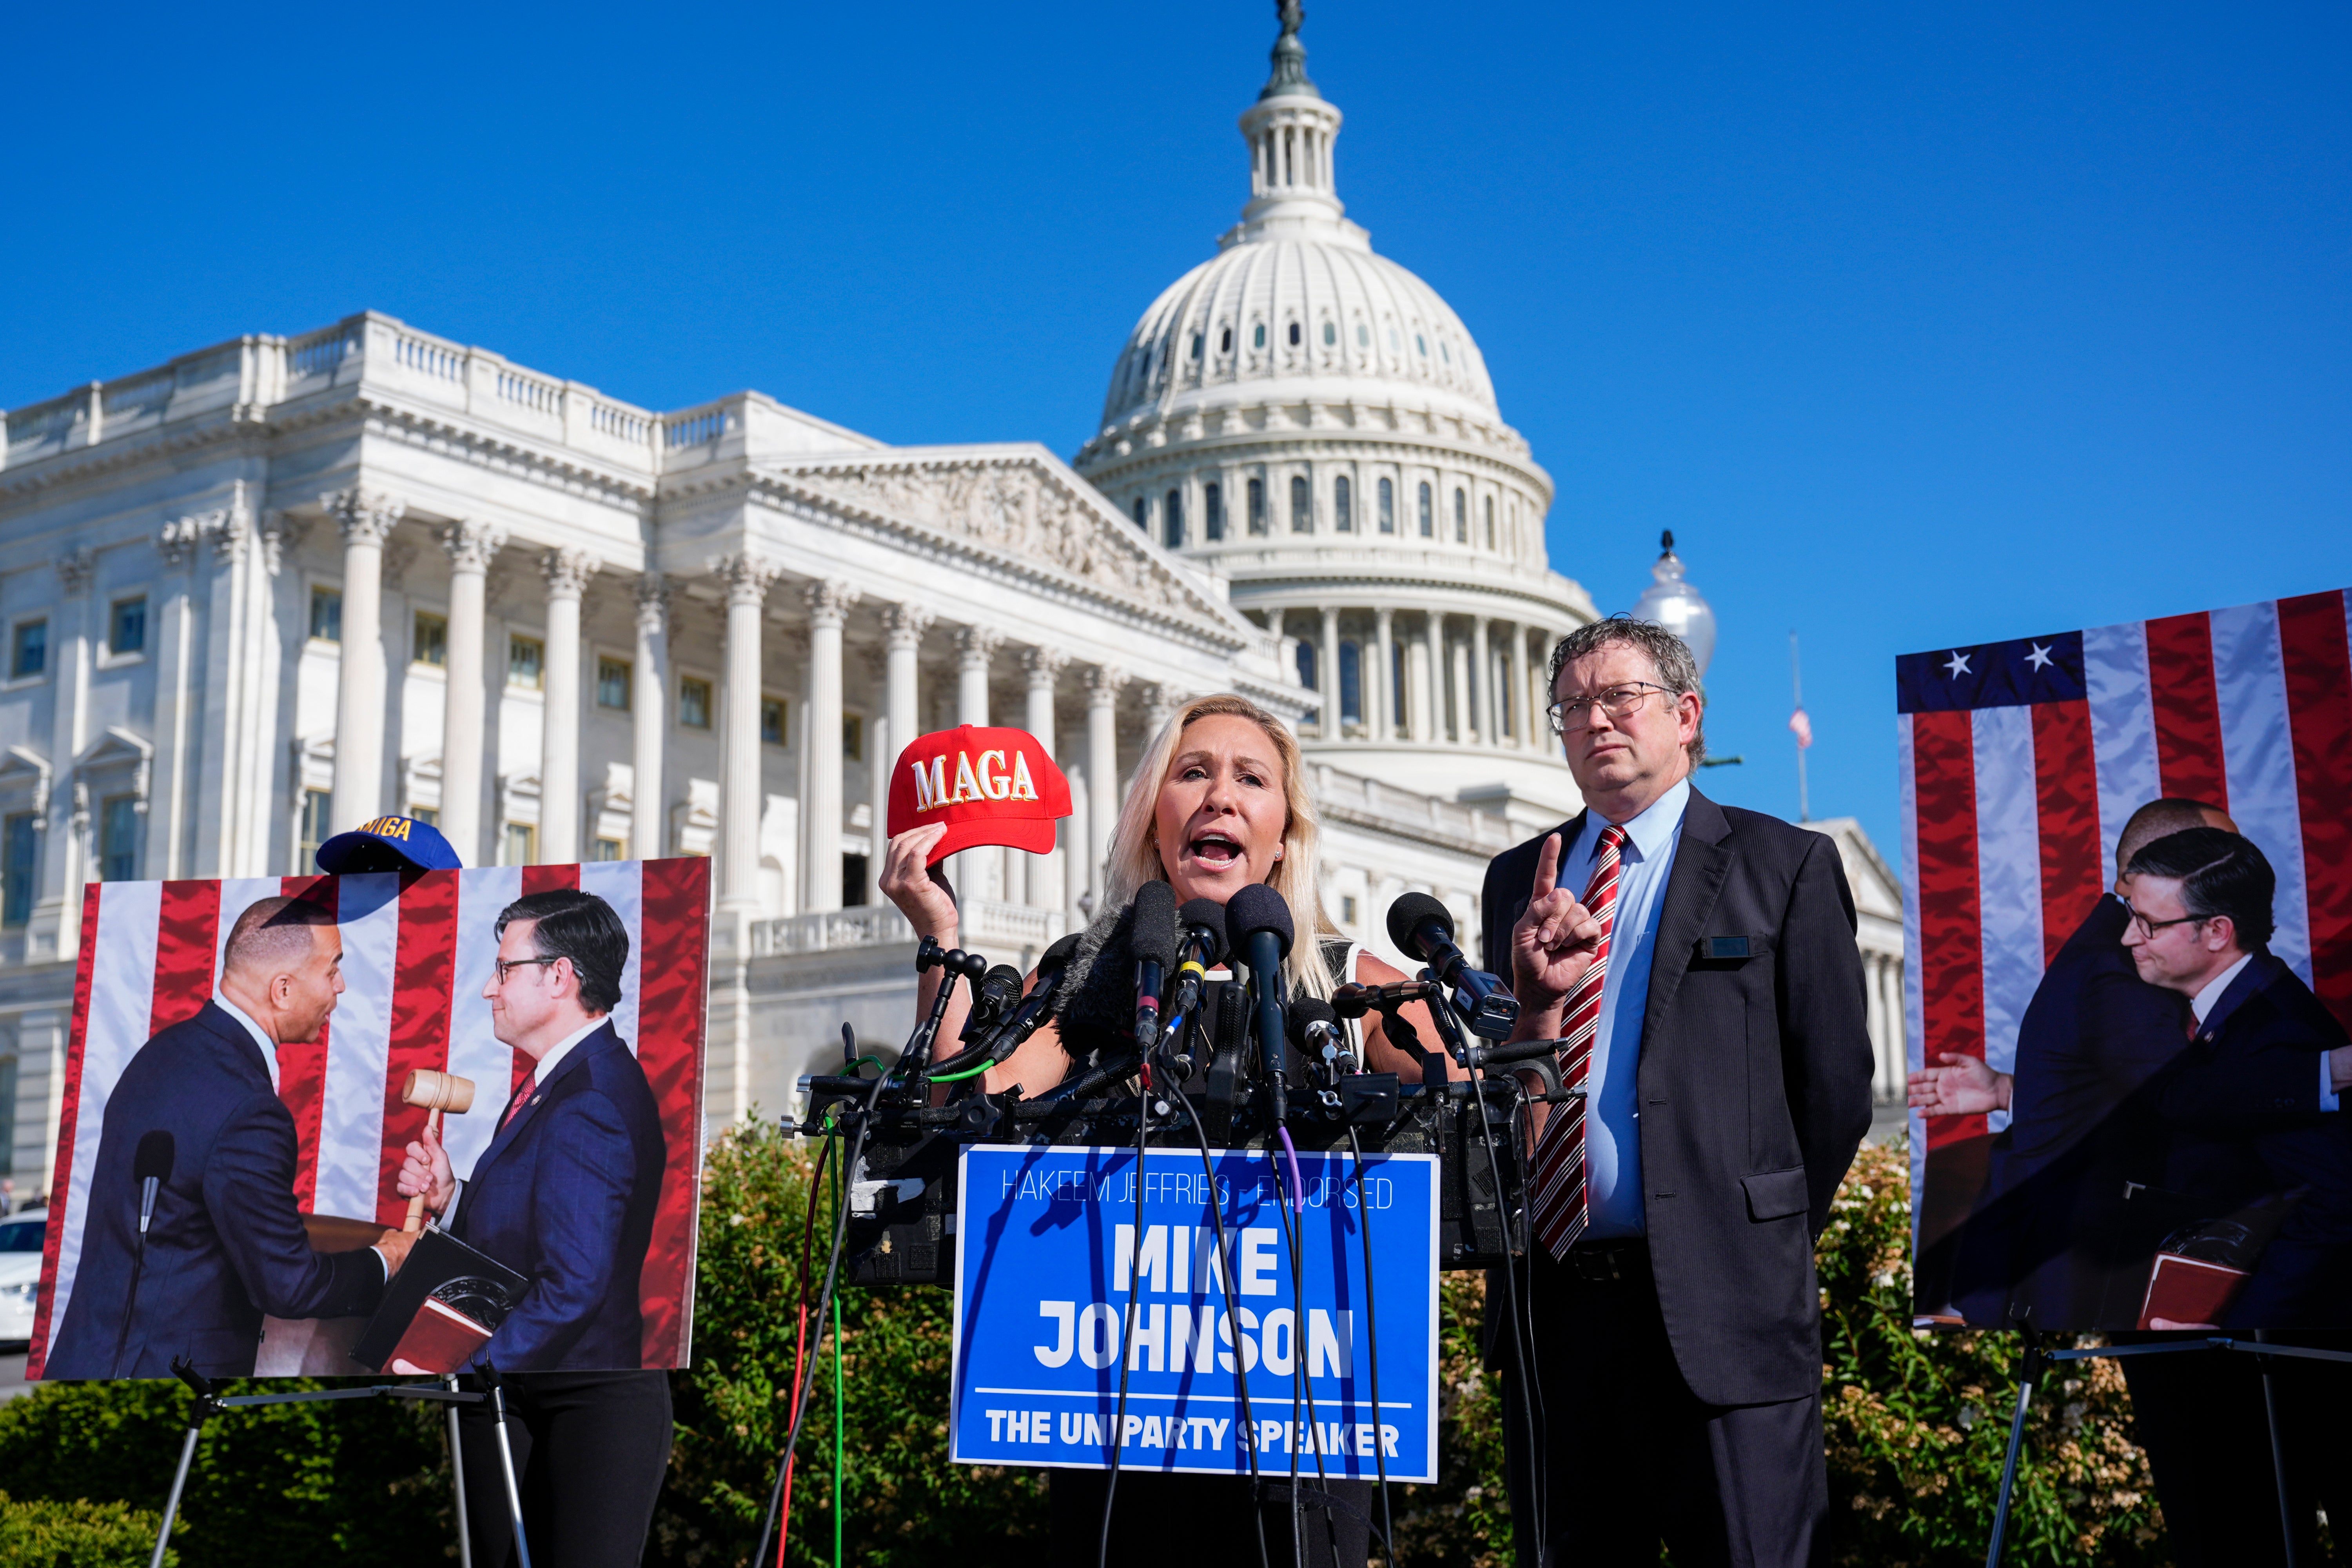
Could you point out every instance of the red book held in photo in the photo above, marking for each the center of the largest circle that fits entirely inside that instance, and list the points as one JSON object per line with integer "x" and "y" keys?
{"x": 2189, "y": 1290}
{"x": 439, "y": 1339}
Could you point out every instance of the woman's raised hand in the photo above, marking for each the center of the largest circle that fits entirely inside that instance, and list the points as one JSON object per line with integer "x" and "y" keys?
{"x": 921, "y": 891}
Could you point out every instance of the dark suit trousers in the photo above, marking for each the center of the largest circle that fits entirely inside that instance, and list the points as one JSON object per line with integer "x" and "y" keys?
{"x": 590, "y": 1449}
{"x": 2201, "y": 1417}
{"x": 1186, "y": 1522}
{"x": 1630, "y": 1455}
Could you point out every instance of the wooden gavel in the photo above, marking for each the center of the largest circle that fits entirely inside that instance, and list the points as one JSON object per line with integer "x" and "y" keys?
{"x": 436, "y": 1093}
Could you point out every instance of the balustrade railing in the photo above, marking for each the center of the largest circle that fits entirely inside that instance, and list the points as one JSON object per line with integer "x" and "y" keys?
{"x": 318, "y": 353}
{"x": 529, "y": 392}
{"x": 423, "y": 354}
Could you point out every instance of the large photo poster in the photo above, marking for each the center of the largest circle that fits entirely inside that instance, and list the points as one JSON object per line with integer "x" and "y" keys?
{"x": 255, "y": 1065}
{"x": 2129, "y": 893}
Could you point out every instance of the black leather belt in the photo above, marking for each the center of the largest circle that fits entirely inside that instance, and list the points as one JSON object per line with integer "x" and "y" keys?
{"x": 1609, "y": 1262}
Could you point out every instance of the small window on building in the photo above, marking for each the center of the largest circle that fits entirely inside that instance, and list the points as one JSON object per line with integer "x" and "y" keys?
{"x": 1257, "y": 506}
{"x": 1461, "y": 518}
{"x": 771, "y": 720}
{"x": 1196, "y": 345}
{"x": 611, "y": 850}
{"x": 1445, "y": 351}
{"x": 526, "y": 662}
{"x": 428, "y": 643}
{"x": 1421, "y": 343}
{"x": 1363, "y": 336}
{"x": 852, "y": 880}
{"x": 693, "y": 702}
{"x": 1213, "y": 513}
{"x": 1257, "y": 336}
{"x": 425, "y": 815}
{"x": 1343, "y": 505}
{"x": 612, "y": 679}
{"x": 1490, "y": 522}
{"x": 521, "y": 845}
{"x": 1388, "y": 506}
{"x": 1393, "y": 341}
{"x": 19, "y": 849}
{"x": 326, "y": 614}
{"x": 1351, "y": 682}
{"x": 1172, "y": 516}
{"x": 1330, "y": 334}
{"x": 1348, "y": 909}
{"x": 1307, "y": 671}
{"x": 1302, "y": 505}
{"x": 28, "y": 649}
{"x": 126, "y": 626}
{"x": 852, "y": 738}
{"x": 118, "y": 839}
{"x": 312, "y": 831}
{"x": 1428, "y": 519}
{"x": 1142, "y": 513}
{"x": 1293, "y": 334}
{"x": 1225, "y": 342}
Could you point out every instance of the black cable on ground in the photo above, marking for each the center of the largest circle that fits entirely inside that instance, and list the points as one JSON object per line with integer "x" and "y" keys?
{"x": 1372, "y": 1338}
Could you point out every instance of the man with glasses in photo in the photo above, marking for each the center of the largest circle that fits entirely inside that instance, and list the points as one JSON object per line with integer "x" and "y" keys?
{"x": 1708, "y": 994}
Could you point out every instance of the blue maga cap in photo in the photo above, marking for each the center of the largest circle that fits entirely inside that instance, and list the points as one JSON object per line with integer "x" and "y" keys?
{"x": 388, "y": 844}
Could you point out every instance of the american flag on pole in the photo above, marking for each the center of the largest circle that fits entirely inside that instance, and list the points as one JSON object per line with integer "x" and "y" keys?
{"x": 415, "y": 960}
{"x": 2022, "y": 760}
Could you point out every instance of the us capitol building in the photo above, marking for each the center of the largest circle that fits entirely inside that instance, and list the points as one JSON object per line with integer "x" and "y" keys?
{"x": 280, "y": 585}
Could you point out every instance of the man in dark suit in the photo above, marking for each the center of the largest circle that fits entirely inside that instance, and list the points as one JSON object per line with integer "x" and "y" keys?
{"x": 565, "y": 1195}
{"x": 2046, "y": 1246}
{"x": 225, "y": 1245}
{"x": 1710, "y": 994}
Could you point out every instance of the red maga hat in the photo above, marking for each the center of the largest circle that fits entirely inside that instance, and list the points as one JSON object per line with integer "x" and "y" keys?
{"x": 989, "y": 785}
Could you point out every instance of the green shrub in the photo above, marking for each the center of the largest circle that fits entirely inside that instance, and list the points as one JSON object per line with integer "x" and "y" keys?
{"x": 40, "y": 1532}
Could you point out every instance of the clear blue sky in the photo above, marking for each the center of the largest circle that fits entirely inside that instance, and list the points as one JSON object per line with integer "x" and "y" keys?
{"x": 1917, "y": 326}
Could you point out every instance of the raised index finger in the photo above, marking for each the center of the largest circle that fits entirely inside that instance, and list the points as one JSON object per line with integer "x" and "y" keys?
{"x": 1547, "y": 868}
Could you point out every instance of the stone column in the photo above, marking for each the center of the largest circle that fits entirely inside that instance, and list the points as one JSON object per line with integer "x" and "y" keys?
{"x": 978, "y": 873}
{"x": 1483, "y": 708}
{"x": 1282, "y": 657}
{"x": 1515, "y": 686}
{"x": 566, "y": 573}
{"x": 1536, "y": 695}
{"x": 1381, "y": 720}
{"x": 1335, "y": 717}
{"x": 167, "y": 811}
{"x": 649, "y": 717}
{"x": 1102, "y": 770}
{"x": 829, "y": 605}
{"x": 1457, "y": 665}
{"x": 1421, "y": 691}
{"x": 902, "y": 636}
{"x": 470, "y": 547}
{"x": 55, "y": 928}
{"x": 747, "y": 578}
{"x": 366, "y": 519}
{"x": 1043, "y": 667}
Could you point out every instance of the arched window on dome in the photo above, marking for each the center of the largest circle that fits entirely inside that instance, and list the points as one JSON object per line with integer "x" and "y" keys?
{"x": 1446, "y": 350}
{"x": 1461, "y": 518}
{"x": 1421, "y": 343}
{"x": 1343, "y": 506}
{"x": 1428, "y": 519}
{"x": 1173, "y": 517}
{"x": 1363, "y": 336}
{"x": 1225, "y": 342}
{"x": 1196, "y": 345}
{"x": 1257, "y": 506}
{"x": 1490, "y": 522}
{"x": 1330, "y": 334}
{"x": 1388, "y": 506}
{"x": 1257, "y": 339}
{"x": 1293, "y": 334}
{"x": 1143, "y": 513}
{"x": 1213, "y": 513}
{"x": 1302, "y": 505}
{"x": 1392, "y": 341}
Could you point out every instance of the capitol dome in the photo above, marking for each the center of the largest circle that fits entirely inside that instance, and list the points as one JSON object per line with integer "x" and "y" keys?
{"x": 1311, "y": 422}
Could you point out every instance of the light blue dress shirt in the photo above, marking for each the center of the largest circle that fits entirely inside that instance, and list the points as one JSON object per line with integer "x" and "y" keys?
{"x": 1612, "y": 1144}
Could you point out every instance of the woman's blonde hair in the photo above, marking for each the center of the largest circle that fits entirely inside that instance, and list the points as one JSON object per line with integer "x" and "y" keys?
{"x": 1134, "y": 857}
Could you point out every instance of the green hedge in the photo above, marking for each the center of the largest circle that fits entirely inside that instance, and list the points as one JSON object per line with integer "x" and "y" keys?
{"x": 41, "y": 1532}
{"x": 1916, "y": 1423}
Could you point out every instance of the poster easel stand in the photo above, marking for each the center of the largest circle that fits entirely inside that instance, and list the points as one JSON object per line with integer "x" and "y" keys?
{"x": 209, "y": 1404}
{"x": 2039, "y": 1357}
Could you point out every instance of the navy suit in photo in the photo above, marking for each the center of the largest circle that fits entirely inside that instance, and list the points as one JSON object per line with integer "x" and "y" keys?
{"x": 565, "y": 1196}
{"x": 227, "y": 1244}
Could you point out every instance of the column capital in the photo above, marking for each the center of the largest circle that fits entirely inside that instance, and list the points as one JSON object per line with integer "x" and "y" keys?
{"x": 1382, "y": 615}
{"x": 652, "y": 592}
{"x": 472, "y": 544}
{"x": 903, "y": 626}
{"x": 1043, "y": 665}
{"x": 364, "y": 516}
{"x": 975, "y": 645}
{"x": 74, "y": 570}
{"x": 180, "y": 537}
{"x": 747, "y": 576}
{"x": 1161, "y": 703}
{"x": 828, "y": 601}
{"x": 1103, "y": 684}
{"x": 567, "y": 571}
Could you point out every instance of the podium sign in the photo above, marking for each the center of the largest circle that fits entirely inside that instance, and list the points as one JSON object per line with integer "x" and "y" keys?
{"x": 1048, "y": 1251}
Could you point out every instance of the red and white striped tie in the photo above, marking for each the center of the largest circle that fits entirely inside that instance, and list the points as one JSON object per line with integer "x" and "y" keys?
{"x": 1558, "y": 1207}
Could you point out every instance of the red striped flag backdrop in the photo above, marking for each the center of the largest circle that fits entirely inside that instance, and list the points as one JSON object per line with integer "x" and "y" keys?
{"x": 2022, "y": 762}
{"x": 415, "y": 960}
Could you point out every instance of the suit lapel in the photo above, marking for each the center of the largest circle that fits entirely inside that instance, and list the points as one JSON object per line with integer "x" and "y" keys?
{"x": 538, "y": 1095}
{"x": 1702, "y": 863}
{"x": 2251, "y": 981}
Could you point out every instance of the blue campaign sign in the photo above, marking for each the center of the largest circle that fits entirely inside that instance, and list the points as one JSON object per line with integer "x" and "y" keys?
{"x": 1051, "y": 1263}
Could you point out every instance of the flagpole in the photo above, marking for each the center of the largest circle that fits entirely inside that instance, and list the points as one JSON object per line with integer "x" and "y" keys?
{"x": 1796, "y": 691}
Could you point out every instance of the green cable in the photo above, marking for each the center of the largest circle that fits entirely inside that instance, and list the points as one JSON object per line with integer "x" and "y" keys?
{"x": 960, "y": 1077}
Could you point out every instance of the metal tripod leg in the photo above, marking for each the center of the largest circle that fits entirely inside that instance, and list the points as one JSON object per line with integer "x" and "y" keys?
{"x": 506, "y": 1460}
{"x": 457, "y": 1477}
{"x": 2027, "y": 1377}
{"x": 2278, "y": 1457}
{"x": 205, "y": 1407}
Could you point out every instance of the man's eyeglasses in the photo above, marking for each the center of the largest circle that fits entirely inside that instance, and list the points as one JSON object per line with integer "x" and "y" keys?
{"x": 2148, "y": 927}
{"x": 509, "y": 965}
{"x": 1617, "y": 701}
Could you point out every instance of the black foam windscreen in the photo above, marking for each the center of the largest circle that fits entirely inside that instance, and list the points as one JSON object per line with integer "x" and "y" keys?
{"x": 998, "y": 993}
{"x": 1154, "y": 938}
{"x": 153, "y": 1161}
{"x": 1409, "y": 914}
{"x": 1306, "y": 1010}
{"x": 1206, "y": 914}
{"x": 1056, "y": 958}
{"x": 1258, "y": 908}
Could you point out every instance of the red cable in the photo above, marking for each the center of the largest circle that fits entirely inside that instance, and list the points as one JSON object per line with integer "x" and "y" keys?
{"x": 800, "y": 1346}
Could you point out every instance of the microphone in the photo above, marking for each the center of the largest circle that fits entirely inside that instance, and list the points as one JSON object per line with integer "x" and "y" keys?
{"x": 151, "y": 1166}
{"x": 1423, "y": 927}
{"x": 1154, "y": 941}
{"x": 1024, "y": 1019}
{"x": 998, "y": 991}
{"x": 1258, "y": 927}
{"x": 1202, "y": 946}
{"x": 1315, "y": 1029}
